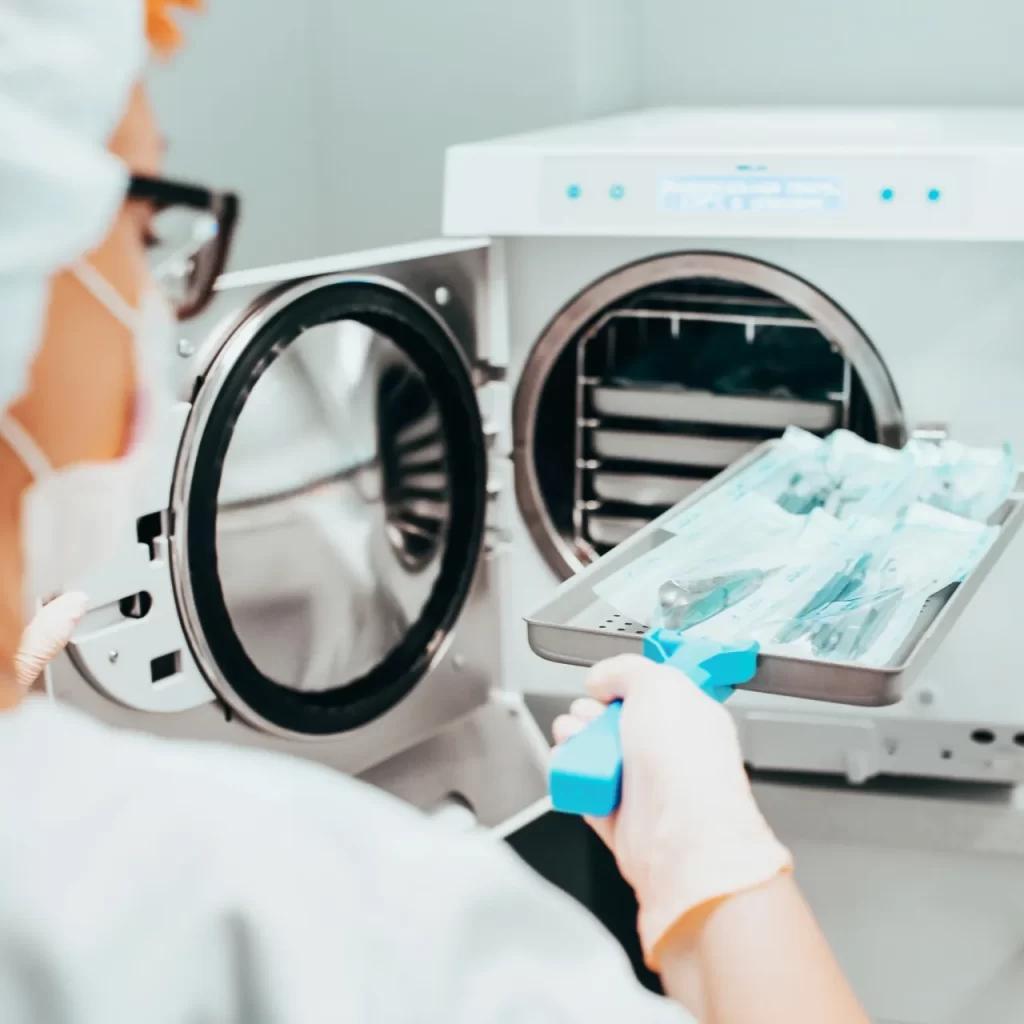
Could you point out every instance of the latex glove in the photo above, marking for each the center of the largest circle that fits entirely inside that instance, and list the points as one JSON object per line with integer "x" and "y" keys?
{"x": 46, "y": 636}
{"x": 687, "y": 832}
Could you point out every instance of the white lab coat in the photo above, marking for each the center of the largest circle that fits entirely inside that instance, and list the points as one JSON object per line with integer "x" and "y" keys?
{"x": 144, "y": 882}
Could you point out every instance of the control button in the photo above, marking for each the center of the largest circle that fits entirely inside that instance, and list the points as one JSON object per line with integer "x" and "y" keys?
{"x": 617, "y": 191}
{"x": 574, "y": 191}
{"x": 934, "y": 195}
{"x": 886, "y": 195}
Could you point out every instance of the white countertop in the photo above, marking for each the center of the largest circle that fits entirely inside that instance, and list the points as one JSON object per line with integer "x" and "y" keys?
{"x": 909, "y": 814}
{"x": 904, "y": 814}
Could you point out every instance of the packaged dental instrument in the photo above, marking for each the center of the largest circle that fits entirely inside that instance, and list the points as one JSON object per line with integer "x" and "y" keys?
{"x": 841, "y": 605}
{"x": 767, "y": 476}
{"x": 709, "y": 562}
{"x": 969, "y": 482}
{"x": 864, "y": 610}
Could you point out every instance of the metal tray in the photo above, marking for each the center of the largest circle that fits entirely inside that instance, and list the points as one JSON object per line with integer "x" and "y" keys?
{"x": 670, "y": 449}
{"x": 643, "y": 488}
{"x": 679, "y": 405}
{"x": 612, "y": 530}
{"x": 575, "y": 627}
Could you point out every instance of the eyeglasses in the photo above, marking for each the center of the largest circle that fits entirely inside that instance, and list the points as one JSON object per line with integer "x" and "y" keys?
{"x": 189, "y": 238}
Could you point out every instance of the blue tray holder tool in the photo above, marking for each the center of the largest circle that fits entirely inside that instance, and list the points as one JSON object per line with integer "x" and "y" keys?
{"x": 586, "y": 772}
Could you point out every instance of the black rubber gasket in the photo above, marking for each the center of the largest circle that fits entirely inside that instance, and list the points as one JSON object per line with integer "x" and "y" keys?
{"x": 429, "y": 347}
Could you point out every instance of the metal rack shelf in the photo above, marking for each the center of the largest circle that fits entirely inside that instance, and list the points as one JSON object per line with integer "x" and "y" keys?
{"x": 644, "y": 444}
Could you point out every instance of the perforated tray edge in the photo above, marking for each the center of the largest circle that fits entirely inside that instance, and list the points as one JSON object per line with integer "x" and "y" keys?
{"x": 553, "y": 639}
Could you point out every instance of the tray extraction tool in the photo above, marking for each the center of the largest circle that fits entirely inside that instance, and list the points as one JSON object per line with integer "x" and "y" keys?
{"x": 586, "y": 773}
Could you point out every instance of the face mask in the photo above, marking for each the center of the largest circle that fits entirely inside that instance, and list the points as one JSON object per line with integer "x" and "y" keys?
{"x": 76, "y": 517}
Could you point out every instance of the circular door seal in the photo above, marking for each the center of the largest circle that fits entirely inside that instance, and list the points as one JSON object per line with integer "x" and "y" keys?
{"x": 396, "y": 314}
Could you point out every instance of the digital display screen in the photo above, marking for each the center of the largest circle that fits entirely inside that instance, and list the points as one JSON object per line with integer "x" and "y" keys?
{"x": 743, "y": 193}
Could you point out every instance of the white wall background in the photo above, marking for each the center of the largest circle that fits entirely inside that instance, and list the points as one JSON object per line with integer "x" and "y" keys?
{"x": 330, "y": 117}
{"x": 332, "y": 121}
{"x": 956, "y": 52}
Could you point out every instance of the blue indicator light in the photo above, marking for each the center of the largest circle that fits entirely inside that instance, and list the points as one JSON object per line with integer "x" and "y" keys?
{"x": 887, "y": 194}
{"x": 934, "y": 195}
{"x": 573, "y": 191}
{"x": 616, "y": 191}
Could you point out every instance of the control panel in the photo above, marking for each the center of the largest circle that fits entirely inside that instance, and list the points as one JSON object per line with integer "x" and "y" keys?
{"x": 793, "y": 196}
{"x": 880, "y": 173}
{"x": 749, "y": 193}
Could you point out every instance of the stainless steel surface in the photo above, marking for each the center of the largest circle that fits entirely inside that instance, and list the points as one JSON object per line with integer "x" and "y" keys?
{"x": 934, "y": 433}
{"x": 325, "y": 565}
{"x": 569, "y": 552}
{"x": 680, "y": 405}
{"x": 643, "y": 488}
{"x": 677, "y": 316}
{"x": 668, "y": 399}
{"x": 323, "y": 392}
{"x": 611, "y": 530}
{"x": 461, "y": 266}
{"x": 576, "y": 627}
{"x": 684, "y": 605}
{"x": 670, "y": 449}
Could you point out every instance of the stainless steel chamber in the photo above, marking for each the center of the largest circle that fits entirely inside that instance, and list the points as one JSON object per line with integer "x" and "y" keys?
{"x": 664, "y": 372}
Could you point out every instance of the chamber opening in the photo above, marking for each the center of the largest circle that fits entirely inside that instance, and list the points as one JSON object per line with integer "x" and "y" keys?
{"x": 626, "y": 411}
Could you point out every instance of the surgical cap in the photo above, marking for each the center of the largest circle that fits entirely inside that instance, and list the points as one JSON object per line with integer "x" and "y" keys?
{"x": 66, "y": 70}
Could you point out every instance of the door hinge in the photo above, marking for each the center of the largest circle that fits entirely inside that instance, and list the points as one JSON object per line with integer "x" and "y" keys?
{"x": 933, "y": 433}
{"x": 484, "y": 373}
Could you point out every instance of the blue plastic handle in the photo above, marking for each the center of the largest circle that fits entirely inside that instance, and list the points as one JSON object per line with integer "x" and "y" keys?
{"x": 586, "y": 773}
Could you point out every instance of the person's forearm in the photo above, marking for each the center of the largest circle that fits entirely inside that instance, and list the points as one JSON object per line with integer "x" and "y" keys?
{"x": 758, "y": 956}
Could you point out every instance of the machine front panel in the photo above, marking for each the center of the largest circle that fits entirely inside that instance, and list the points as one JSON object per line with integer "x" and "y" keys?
{"x": 729, "y": 196}
{"x": 944, "y": 322}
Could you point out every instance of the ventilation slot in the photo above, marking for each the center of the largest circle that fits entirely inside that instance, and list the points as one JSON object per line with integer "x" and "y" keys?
{"x": 165, "y": 666}
{"x": 136, "y": 606}
{"x": 148, "y": 528}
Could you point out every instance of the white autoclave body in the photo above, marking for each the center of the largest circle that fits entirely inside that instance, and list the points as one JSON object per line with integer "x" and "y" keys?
{"x": 891, "y": 238}
{"x": 895, "y": 239}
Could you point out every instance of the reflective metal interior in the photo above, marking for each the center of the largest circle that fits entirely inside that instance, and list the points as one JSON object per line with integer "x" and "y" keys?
{"x": 666, "y": 372}
{"x": 333, "y": 508}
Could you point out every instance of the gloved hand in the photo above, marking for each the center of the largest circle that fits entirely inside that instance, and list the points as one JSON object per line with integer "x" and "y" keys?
{"x": 46, "y": 636}
{"x": 687, "y": 832}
